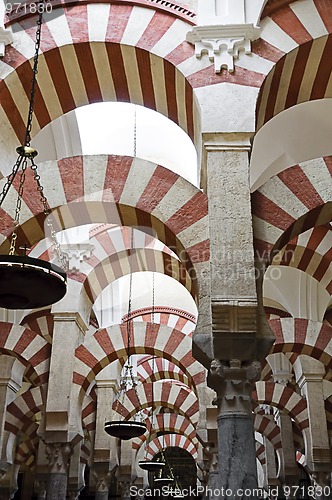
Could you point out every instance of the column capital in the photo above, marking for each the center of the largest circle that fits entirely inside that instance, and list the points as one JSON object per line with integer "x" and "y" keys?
{"x": 233, "y": 382}
{"x": 102, "y": 479}
{"x": 58, "y": 455}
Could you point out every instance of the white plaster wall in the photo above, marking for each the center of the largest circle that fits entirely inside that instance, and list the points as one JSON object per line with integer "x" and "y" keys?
{"x": 297, "y": 292}
{"x": 296, "y": 135}
{"x": 112, "y": 303}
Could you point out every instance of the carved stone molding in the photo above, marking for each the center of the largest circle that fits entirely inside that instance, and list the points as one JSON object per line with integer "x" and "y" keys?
{"x": 223, "y": 43}
{"x": 234, "y": 315}
{"x": 58, "y": 455}
{"x": 102, "y": 480}
{"x": 75, "y": 253}
{"x": 233, "y": 382}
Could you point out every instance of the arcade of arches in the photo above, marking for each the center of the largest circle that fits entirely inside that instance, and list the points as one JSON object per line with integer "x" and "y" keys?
{"x": 230, "y": 276}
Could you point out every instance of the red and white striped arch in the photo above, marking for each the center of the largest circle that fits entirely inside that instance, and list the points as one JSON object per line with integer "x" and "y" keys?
{"x": 107, "y": 240}
{"x": 20, "y": 413}
{"x": 179, "y": 398}
{"x": 89, "y": 426}
{"x": 26, "y": 452}
{"x": 260, "y": 452}
{"x": 303, "y": 336}
{"x": 110, "y": 344}
{"x": 285, "y": 399}
{"x": 268, "y": 428}
{"x": 29, "y": 347}
{"x": 127, "y": 57}
{"x": 89, "y": 413}
{"x": 291, "y": 203}
{"x": 297, "y": 38}
{"x": 171, "y": 440}
{"x": 114, "y": 196}
{"x": 140, "y": 260}
{"x": 149, "y": 370}
{"x": 310, "y": 252}
{"x": 136, "y": 54}
{"x": 163, "y": 315}
{"x": 171, "y": 423}
{"x": 41, "y": 322}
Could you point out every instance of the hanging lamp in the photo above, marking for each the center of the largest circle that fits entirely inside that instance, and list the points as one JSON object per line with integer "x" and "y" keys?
{"x": 151, "y": 465}
{"x": 26, "y": 282}
{"x": 127, "y": 429}
{"x": 161, "y": 480}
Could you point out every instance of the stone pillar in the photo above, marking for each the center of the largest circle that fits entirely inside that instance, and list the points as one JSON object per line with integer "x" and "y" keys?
{"x": 8, "y": 485}
{"x": 288, "y": 470}
{"x": 102, "y": 478}
{"x": 270, "y": 469}
{"x": 233, "y": 383}
{"x": 105, "y": 448}
{"x": 213, "y": 480}
{"x": 58, "y": 455}
{"x": 11, "y": 373}
{"x": 61, "y": 422}
{"x": 76, "y": 473}
{"x": 309, "y": 376}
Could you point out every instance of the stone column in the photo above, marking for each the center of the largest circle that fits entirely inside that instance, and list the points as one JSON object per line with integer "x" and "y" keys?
{"x": 8, "y": 486}
{"x": 58, "y": 455}
{"x": 213, "y": 480}
{"x": 76, "y": 473}
{"x": 270, "y": 469}
{"x": 309, "y": 376}
{"x": 11, "y": 373}
{"x": 61, "y": 422}
{"x": 233, "y": 383}
{"x": 102, "y": 478}
{"x": 288, "y": 470}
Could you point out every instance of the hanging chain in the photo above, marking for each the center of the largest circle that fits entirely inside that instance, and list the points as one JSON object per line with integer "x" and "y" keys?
{"x": 27, "y": 138}
{"x": 152, "y": 429}
{"x": 129, "y": 367}
{"x": 129, "y": 321}
{"x": 153, "y": 357}
{"x": 47, "y": 211}
{"x": 18, "y": 208}
{"x": 25, "y": 152}
{"x": 10, "y": 179}
{"x": 34, "y": 74}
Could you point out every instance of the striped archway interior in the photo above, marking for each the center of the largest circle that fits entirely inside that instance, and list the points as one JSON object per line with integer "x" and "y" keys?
{"x": 301, "y": 55}
{"x": 96, "y": 61}
{"x": 179, "y": 224}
